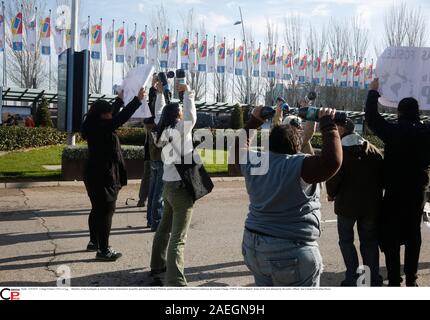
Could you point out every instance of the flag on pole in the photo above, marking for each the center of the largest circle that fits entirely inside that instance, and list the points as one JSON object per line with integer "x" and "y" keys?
{"x": 141, "y": 47}
{"x": 239, "y": 61}
{"x": 221, "y": 58}
{"x": 288, "y": 65}
{"x": 303, "y": 65}
{"x": 119, "y": 45}
{"x": 211, "y": 64}
{"x": 230, "y": 60}
{"x": 31, "y": 34}
{"x": 192, "y": 56}
{"x": 131, "y": 50}
{"x": 84, "y": 36}
{"x": 344, "y": 74}
{"x": 164, "y": 50}
{"x": 2, "y": 35}
{"x": 17, "y": 30}
{"x": 330, "y": 72}
{"x": 279, "y": 67}
{"x": 264, "y": 65}
{"x": 109, "y": 38}
{"x": 45, "y": 35}
{"x": 272, "y": 65}
{"x": 174, "y": 56}
{"x": 185, "y": 45}
{"x": 60, "y": 40}
{"x": 317, "y": 71}
{"x": 356, "y": 74}
{"x": 68, "y": 38}
{"x": 153, "y": 52}
{"x": 256, "y": 61}
{"x": 203, "y": 53}
{"x": 96, "y": 41}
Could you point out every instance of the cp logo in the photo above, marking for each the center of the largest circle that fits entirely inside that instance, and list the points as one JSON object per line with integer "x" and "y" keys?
{"x": 8, "y": 294}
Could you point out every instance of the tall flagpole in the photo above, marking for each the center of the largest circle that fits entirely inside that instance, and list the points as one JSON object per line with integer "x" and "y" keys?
{"x": 22, "y": 71}
{"x": 145, "y": 54}
{"x": 124, "y": 61}
{"x": 33, "y": 79}
{"x": 113, "y": 55}
{"x": 224, "y": 95}
{"x": 259, "y": 74}
{"x": 101, "y": 55}
{"x": 234, "y": 69}
{"x": 50, "y": 53}
{"x": 157, "y": 60}
{"x": 215, "y": 69}
{"x": 206, "y": 73}
{"x": 5, "y": 47}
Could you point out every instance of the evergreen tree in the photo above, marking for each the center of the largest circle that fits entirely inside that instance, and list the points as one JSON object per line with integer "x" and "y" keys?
{"x": 43, "y": 116}
{"x": 237, "y": 117}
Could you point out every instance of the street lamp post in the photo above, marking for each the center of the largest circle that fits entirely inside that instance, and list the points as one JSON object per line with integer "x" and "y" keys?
{"x": 248, "y": 87}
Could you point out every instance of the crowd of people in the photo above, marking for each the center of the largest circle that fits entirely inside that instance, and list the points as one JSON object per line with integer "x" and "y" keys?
{"x": 382, "y": 192}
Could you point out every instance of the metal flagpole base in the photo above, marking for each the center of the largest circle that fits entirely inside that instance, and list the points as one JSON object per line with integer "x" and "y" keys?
{"x": 71, "y": 139}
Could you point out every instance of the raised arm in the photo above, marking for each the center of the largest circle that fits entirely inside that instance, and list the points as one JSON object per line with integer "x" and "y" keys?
{"x": 374, "y": 119}
{"x": 320, "y": 168}
{"x": 308, "y": 133}
{"x": 254, "y": 122}
{"x": 189, "y": 121}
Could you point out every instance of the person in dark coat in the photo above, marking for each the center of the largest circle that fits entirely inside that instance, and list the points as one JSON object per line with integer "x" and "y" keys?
{"x": 357, "y": 190}
{"x": 406, "y": 178}
{"x": 105, "y": 173}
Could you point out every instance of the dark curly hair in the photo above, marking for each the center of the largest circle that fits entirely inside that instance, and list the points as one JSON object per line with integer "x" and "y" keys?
{"x": 285, "y": 139}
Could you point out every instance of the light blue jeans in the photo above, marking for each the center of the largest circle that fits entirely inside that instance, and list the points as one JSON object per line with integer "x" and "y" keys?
{"x": 282, "y": 263}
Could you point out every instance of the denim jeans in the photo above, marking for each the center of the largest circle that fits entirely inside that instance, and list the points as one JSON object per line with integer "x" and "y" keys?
{"x": 368, "y": 235}
{"x": 282, "y": 263}
{"x": 155, "y": 199}
{"x": 169, "y": 241}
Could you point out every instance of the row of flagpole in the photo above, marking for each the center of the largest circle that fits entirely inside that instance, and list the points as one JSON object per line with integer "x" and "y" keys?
{"x": 197, "y": 56}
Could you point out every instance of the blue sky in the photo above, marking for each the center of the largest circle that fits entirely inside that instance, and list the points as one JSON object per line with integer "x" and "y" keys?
{"x": 219, "y": 15}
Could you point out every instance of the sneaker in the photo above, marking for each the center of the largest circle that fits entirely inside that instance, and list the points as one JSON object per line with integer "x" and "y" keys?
{"x": 140, "y": 204}
{"x": 109, "y": 256}
{"x": 156, "y": 283}
{"x": 91, "y": 247}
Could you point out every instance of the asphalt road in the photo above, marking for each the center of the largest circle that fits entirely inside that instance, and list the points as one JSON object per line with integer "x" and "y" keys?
{"x": 43, "y": 229}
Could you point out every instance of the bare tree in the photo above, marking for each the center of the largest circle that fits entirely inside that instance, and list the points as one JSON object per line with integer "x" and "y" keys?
{"x": 316, "y": 41}
{"x": 360, "y": 38}
{"x": 417, "y": 34}
{"x": 24, "y": 68}
{"x": 339, "y": 39}
{"x": 293, "y": 32}
{"x": 396, "y": 25}
{"x": 96, "y": 76}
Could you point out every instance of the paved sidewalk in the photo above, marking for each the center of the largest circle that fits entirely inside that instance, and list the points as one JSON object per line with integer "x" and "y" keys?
{"x": 44, "y": 228}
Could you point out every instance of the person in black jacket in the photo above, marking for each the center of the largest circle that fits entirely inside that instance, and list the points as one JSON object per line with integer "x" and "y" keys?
{"x": 406, "y": 177}
{"x": 105, "y": 173}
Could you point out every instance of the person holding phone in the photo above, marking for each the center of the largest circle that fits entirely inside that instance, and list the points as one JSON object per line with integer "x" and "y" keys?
{"x": 105, "y": 173}
{"x": 174, "y": 134}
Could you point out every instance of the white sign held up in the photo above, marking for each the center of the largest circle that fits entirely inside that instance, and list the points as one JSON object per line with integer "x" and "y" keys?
{"x": 136, "y": 79}
{"x": 404, "y": 72}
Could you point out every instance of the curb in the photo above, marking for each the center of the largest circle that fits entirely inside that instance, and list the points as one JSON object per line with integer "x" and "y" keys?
{"x": 53, "y": 184}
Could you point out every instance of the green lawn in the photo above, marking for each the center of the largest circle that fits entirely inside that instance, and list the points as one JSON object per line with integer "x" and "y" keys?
{"x": 27, "y": 165}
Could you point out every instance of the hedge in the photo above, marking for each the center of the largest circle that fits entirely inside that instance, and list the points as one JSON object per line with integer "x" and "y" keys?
{"x": 15, "y": 138}
{"x": 81, "y": 152}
